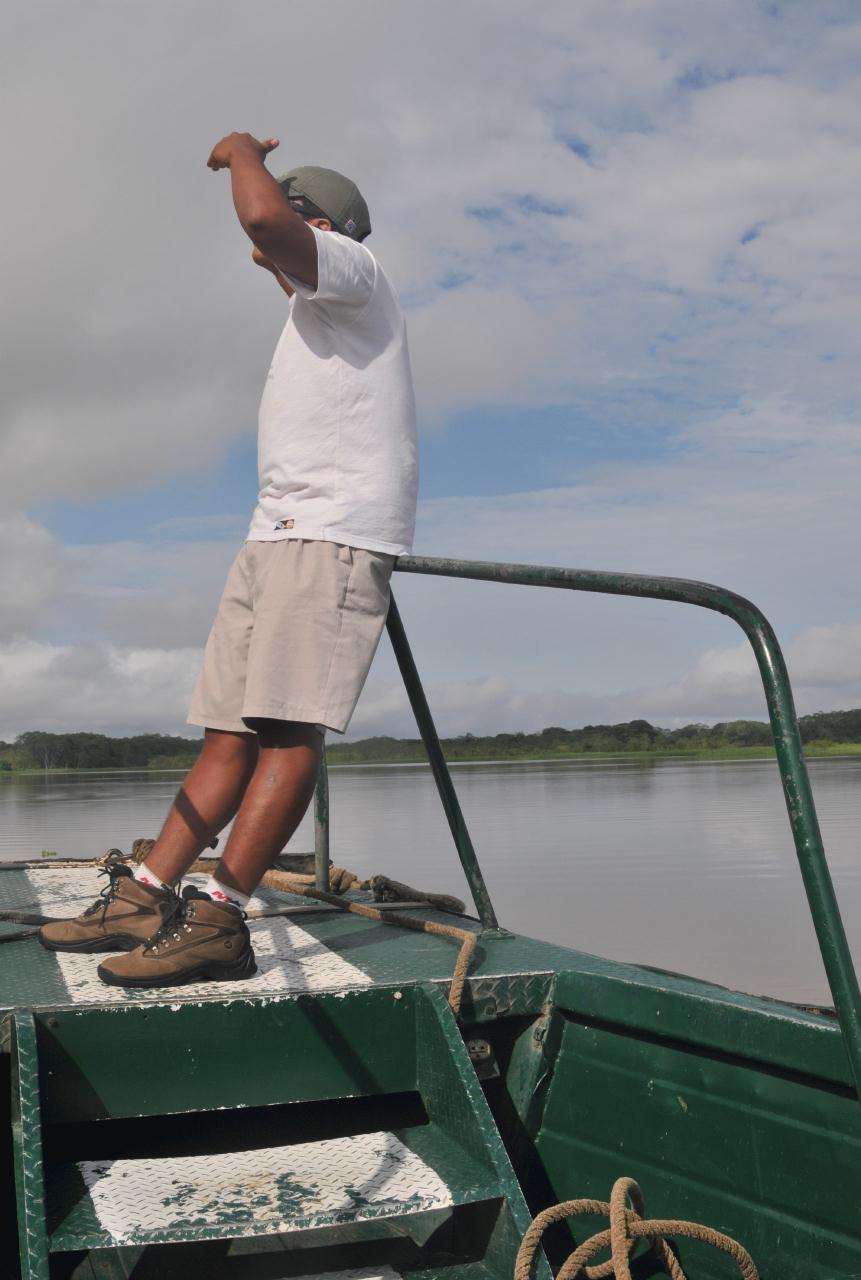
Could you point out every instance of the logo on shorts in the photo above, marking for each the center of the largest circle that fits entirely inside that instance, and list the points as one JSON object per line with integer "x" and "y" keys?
{"x": 284, "y": 524}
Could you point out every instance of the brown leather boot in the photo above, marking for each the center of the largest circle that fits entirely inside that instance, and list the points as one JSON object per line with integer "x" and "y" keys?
{"x": 200, "y": 941}
{"x": 121, "y": 918}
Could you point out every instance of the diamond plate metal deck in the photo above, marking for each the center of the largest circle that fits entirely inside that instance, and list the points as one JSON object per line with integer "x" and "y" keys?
{"x": 274, "y": 1190}
{"x": 289, "y": 958}
{"x": 509, "y": 975}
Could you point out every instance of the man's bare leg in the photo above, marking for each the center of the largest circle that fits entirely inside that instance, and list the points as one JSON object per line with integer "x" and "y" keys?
{"x": 274, "y": 802}
{"x": 207, "y": 800}
{"x": 205, "y": 937}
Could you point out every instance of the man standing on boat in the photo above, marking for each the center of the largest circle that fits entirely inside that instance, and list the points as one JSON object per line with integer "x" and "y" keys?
{"x": 306, "y": 599}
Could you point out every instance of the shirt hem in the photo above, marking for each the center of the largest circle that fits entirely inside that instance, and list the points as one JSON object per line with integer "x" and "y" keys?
{"x": 342, "y": 536}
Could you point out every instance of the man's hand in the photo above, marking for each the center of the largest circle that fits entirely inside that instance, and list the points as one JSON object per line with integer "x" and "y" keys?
{"x": 222, "y": 153}
{"x": 280, "y": 234}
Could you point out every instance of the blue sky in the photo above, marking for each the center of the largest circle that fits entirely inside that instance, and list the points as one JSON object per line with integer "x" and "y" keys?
{"x": 477, "y": 453}
{"x": 625, "y": 236}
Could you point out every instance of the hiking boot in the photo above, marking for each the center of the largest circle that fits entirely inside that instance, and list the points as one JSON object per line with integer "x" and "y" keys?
{"x": 200, "y": 941}
{"x": 124, "y": 915}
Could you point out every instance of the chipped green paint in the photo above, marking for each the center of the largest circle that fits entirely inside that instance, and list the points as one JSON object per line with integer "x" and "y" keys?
{"x": 27, "y": 1148}
{"x": 709, "y": 1100}
{"x": 290, "y": 1191}
{"x": 454, "y": 1159}
{"x": 556, "y": 1038}
{"x": 321, "y": 825}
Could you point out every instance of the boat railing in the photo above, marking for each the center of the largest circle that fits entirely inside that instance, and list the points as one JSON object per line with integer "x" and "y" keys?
{"x": 801, "y": 809}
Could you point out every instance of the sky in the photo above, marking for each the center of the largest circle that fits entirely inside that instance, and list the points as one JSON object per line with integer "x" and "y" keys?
{"x": 625, "y": 236}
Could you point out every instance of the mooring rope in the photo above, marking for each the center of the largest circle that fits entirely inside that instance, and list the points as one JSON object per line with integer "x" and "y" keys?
{"x": 627, "y": 1227}
{"x": 286, "y": 882}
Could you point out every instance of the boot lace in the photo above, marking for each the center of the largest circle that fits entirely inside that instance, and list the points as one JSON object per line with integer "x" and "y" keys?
{"x": 108, "y": 892}
{"x": 174, "y": 920}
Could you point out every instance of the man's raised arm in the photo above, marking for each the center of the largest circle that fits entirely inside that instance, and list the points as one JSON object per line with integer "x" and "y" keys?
{"x": 280, "y": 234}
{"x": 260, "y": 260}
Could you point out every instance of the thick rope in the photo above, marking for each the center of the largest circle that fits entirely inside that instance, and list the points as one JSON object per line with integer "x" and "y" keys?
{"x": 627, "y": 1227}
{"x": 386, "y": 890}
{"x": 287, "y": 883}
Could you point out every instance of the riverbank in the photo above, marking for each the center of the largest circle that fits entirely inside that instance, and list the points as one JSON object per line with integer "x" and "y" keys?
{"x": 341, "y": 755}
{"x": 823, "y": 733}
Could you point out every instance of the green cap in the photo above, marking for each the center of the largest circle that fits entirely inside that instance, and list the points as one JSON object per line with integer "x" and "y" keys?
{"x": 333, "y": 194}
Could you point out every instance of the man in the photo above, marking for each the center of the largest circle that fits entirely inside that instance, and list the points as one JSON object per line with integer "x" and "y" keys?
{"x": 306, "y": 599}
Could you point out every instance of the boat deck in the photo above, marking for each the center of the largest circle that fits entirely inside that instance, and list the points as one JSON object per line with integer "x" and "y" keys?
{"x": 329, "y": 1114}
{"x": 313, "y": 951}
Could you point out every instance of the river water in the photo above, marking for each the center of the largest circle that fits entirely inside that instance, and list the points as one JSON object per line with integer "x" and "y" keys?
{"x": 685, "y": 865}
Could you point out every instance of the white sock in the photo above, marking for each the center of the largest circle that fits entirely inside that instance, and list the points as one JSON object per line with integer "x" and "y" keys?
{"x": 225, "y": 893}
{"x": 143, "y": 874}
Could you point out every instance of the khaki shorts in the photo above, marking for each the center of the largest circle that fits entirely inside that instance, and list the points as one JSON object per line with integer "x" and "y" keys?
{"x": 295, "y": 633}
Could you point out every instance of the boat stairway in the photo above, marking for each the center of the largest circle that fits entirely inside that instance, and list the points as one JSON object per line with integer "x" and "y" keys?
{"x": 332, "y": 1132}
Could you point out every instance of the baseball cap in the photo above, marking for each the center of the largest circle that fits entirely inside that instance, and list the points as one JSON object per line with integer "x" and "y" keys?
{"x": 333, "y": 194}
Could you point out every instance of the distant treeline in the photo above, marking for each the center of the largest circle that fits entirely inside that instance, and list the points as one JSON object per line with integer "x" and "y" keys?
{"x": 37, "y": 750}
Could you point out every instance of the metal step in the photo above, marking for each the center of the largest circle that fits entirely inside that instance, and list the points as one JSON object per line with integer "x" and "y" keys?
{"x": 244, "y": 1260}
{"x": 453, "y": 1271}
{"x": 414, "y": 1173}
{"x": 84, "y": 1187}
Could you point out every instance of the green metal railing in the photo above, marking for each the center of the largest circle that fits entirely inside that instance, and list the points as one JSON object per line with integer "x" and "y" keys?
{"x": 818, "y": 886}
{"x": 830, "y": 933}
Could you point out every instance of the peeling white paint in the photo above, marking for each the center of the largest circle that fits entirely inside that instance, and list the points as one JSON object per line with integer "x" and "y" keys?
{"x": 276, "y": 1189}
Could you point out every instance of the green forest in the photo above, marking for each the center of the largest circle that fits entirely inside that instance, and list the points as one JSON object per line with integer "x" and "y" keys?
{"x": 824, "y": 732}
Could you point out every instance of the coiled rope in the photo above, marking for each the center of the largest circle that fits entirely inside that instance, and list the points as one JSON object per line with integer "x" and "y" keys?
{"x": 627, "y": 1227}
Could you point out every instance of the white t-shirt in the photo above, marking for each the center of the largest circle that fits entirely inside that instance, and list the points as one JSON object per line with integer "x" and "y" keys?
{"x": 337, "y": 438}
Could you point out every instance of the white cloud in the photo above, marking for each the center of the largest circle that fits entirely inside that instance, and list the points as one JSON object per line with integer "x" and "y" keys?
{"x": 487, "y": 705}
{"x": 476, "y": 345}
{"x": 113, "y": 688}
{"x": 29, "y": 573}
{"x": 140, "y": 353}
{"x": 96, "y": 687}
{"x": 723, "y": 684}
{"x": 824, "y": 666}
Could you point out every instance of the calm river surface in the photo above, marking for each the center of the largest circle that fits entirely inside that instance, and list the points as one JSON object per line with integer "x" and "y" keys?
{"x": 685, "y": 865}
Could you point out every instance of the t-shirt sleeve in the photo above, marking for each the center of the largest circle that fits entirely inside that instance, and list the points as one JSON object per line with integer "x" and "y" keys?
{"x": 345, "y": 271}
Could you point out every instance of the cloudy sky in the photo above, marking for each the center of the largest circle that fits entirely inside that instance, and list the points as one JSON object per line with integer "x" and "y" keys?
{"x": 625, "y": 232}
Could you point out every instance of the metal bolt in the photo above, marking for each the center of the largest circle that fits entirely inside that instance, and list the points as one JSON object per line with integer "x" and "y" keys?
{"x": 399, "y": 995}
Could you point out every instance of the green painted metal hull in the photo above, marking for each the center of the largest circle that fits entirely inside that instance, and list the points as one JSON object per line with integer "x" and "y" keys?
{"x": 727, "y": 1110}
{"x": 730, "y": 1110}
